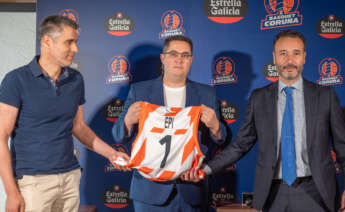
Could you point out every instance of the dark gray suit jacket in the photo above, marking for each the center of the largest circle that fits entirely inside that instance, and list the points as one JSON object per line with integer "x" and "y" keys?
{"x": 324, "y": 120}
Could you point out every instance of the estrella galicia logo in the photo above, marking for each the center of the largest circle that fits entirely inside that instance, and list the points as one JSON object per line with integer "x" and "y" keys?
{"x": 222, "y": 197}
{"x": 172, "y": 23}
{"x": 115, "y": 197}
{"x": 270, "y": 72}
{"x": 119, "y": 25}
{"x": 281, "y": 13}
{"x": 225, "y": 11}
{"x": 329, "y": 70}
{"x": 118, "y": 68}
{"x": 112, "y": 110}
{"x": 331, "y": 27}
{"x": 109, "y": 167}
{"x": 230, "y": 112}
{"x": 73, "y": 15}
{"x": 223, "y": 71}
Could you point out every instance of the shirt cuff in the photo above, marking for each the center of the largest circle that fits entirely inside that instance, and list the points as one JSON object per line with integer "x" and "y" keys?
{"x": 207, "y": 169}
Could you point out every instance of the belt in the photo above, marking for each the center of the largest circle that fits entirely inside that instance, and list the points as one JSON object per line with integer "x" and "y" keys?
{"x": 298, "y": 180}
{"x": 179, "y": 181}
{"x": 176, "y": 181}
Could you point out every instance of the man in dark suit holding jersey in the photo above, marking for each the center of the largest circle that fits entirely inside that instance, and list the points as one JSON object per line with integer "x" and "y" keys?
{"x": 294, "y": 170}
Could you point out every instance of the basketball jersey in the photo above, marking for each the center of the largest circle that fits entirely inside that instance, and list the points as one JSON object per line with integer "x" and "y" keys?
{"x": 167, "y": 142}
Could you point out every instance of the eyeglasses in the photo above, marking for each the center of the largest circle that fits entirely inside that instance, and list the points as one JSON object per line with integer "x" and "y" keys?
{"x": 175, "y": 54}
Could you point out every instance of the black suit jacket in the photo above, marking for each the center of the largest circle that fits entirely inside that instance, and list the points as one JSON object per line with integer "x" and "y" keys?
{"x": 324, "y": 120}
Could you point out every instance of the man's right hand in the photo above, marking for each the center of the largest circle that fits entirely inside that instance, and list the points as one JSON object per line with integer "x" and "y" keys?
{"x": 191, "y": 176}
{"x": 132, "y": 116}
{"x": 15, "y": 203}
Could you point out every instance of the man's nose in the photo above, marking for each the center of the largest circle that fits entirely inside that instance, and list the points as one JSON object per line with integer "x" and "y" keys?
{"x": 75, "y": 47}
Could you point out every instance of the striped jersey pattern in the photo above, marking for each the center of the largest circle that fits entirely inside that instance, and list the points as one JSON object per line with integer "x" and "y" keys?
{"x": 167, "y": 142}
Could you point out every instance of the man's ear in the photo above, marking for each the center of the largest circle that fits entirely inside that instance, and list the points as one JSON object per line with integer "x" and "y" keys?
{"x": 274, "y": 58}
{"x": 46, "y": 41}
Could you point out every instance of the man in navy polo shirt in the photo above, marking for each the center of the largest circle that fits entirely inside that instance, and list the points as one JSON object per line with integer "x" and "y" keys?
{"x": 41, "y": 108}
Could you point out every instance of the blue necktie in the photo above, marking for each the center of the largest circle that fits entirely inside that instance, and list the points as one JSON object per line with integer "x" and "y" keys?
{"x": 288, "y": 141}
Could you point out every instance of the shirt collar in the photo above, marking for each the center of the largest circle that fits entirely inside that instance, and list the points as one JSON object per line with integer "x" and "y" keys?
{"x": 36, "y": 69}
{"x": 298, "y": 85}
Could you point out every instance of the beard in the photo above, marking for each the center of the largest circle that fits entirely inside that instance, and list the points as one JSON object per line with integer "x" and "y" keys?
{"x": 289, "y": 76}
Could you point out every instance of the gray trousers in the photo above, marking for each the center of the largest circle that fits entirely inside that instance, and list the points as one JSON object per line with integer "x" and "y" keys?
{"x": 300, "y": 197}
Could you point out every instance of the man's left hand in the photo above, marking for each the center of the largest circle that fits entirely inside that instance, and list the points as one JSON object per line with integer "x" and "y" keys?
{"x": 114, "y": 156}
{"x": 209, "y": 118}
{"x": 191, "y": 176}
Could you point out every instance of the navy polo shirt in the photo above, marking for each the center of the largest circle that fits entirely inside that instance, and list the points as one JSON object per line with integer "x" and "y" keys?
{"x": 41, "y": 142}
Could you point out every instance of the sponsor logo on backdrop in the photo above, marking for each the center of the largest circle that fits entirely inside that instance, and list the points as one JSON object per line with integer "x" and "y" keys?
{"x": 331, "y": 27}
{"x": 119, "y": 25}
{"x": 336, "y": 164}
{"x": 172, "y": 23}
{"x": 225, "y": 11}
{"x": 109, "y": 167}
{"x": 223, "y": 71}
{"x": 329, "y": 70}
{"x": 281, "y": 13}
{"x": 222, "y": 197}
{"x": 230, "y": 112}
{"x": 115, "y": 197}
{"x": 73, "y": 15}
{"x": 270, "y": 72}
{"x": 76, "y": 65}
{"x": 112, "y": 110}
{"x": 118, "y": 67}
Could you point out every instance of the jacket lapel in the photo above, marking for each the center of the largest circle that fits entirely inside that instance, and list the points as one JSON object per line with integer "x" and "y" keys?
{"x": 156, "y": 93}
{"x": 273, "y": 119}
{"x": 310, "y": 104}
{"x": 192, "y": 94}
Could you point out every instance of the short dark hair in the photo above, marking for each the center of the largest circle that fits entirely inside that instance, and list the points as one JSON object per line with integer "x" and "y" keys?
{"x": 177, "y": 38}
{"x": 291, "y": 34}
{"x": 54, "y": 23}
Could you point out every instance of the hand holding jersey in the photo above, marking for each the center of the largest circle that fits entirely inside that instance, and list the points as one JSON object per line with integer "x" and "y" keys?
{"x": 119, "y": 160}
{"x": 209, "y": 118}
{"x": 192, "y": 175}
{"x": 132, "y": 116}
{"x": 171, "y": 135}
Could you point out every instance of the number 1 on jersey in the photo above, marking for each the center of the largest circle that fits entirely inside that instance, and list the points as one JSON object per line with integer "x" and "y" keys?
{"x": 167, "y": 141}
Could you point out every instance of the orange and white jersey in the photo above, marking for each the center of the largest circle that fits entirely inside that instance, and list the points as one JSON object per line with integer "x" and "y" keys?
{"x": 167, "y": 142}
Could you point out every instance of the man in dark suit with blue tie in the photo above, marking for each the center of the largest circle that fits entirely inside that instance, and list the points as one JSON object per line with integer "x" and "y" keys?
{"x": 173, "y": 89}
{"x": 293, "y": 121}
